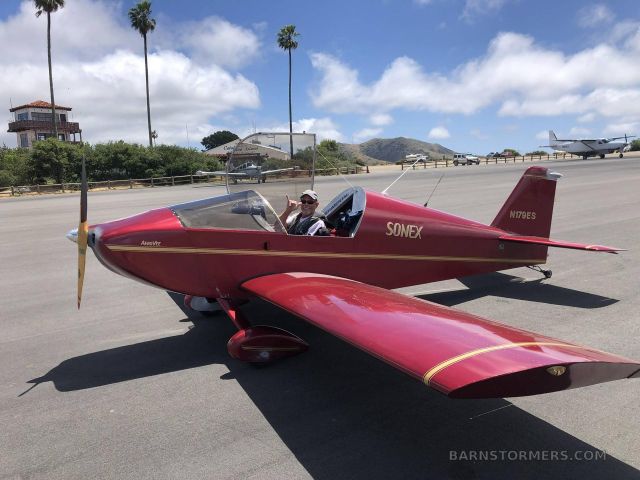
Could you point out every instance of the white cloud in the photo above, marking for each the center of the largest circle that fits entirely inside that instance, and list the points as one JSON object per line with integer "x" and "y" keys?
{"x": 215, "y": 40}
{"x": 104, "y": 80}
{"x": 422, "y": 2}
{"x": 542, "y": 135}
{"x": 438, "y": 133}
{"x": 622, "y": 128}
{"x": 82, "y": 30}
{"x": 366, "y": 134}
{"x": 594, "y": 16}
{"x": 587, "y": 118}
{"x": 475, "y": 8}
{"x": 381, "y": 119}
{"x": 579, "y": 131}
{"x": 324, "y": 128}
{"x": 517, "y": 75}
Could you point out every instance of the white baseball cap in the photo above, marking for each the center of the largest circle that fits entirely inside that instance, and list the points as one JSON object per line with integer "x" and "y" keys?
{"x": 310, "y": 193}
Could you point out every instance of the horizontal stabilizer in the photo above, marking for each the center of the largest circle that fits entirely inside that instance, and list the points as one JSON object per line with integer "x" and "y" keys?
{"x": 454, "y": 352}
{"x": 559, "y": 243}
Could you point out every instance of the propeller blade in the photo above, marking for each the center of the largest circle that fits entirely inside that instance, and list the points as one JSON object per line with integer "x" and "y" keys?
{"x": 83, "y": 231}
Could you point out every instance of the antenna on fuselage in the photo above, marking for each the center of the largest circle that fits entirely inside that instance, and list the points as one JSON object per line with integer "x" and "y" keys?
{"x": 384, "y": 192}
{"x": 434, "y": 189}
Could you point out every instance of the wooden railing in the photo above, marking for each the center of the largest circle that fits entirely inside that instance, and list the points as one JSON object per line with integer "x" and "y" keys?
{"x": 40, "y": 189}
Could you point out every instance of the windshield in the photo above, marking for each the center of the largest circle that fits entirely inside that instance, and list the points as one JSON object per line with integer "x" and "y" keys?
{"x": 281, "y": 163}
{"x": 246, "y": 210}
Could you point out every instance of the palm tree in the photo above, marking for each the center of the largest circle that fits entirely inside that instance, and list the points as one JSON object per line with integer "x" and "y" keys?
{"x": 286, "y": 41}
{"x": 141, "y": 21}
{"x": 49, "y": 6}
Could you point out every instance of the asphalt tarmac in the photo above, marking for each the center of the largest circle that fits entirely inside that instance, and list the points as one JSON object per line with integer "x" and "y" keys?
{"x": 131, "y": 386}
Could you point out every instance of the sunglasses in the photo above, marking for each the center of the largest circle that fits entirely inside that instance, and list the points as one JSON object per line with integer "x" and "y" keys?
{"x": 308, "y": 202}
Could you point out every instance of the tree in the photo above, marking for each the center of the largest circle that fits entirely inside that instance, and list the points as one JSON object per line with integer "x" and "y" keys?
{"x": 286, "y": 41}
{"x": 218, "y": 138}
{"x": 49, "y": 6}
{"x": 635, "y": 146}
{"x": 141, "y": 21}
{"x": 51, "y": 159}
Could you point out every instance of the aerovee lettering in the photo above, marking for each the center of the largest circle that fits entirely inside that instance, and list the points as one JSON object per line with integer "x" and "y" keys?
{"x": 154, "y": 243}
{"x": 395, "y": 229}
{"x": 522, "y": 214}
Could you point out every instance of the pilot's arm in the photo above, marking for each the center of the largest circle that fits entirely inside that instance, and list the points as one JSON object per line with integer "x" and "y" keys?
{"x": 292, "y": 205}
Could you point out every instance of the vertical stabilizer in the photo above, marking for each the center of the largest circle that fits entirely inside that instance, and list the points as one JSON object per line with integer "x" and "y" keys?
{"x": 553, "y": 140}
{"x": 529, "y": 208}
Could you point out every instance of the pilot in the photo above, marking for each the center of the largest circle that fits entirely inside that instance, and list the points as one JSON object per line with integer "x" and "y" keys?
{"x": 305, "y": 222}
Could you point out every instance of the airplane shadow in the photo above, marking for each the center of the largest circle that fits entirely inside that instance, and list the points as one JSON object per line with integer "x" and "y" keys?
{"x": 508, "y": 286}
{"x": 345, "y": 414}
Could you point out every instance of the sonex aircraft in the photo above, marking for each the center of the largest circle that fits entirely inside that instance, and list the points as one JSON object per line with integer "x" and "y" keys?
{"x": 588, "y": 147}
{"x": 231, "y": 248}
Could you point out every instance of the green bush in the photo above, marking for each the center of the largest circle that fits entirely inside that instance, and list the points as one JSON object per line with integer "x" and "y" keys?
{"x": 53, "y": 161}
{"x": 14, "y": 167}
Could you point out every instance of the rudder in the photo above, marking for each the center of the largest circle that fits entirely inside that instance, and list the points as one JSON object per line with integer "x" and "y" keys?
{"x": 529, "y": 208}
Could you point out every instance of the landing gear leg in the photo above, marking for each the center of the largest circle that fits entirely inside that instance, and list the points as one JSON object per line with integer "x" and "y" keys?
{"x": 262, "y": 343}
{"x": 537, "y": 268}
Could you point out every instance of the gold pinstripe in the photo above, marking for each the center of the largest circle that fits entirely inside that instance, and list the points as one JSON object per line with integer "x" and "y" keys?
{"x": 277, "y": 253}
{"x": 270, "y": 349}
{"x": 447, "y": 363}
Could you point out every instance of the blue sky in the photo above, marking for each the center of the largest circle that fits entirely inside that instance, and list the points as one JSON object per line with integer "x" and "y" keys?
{"x": 473, "y": 75}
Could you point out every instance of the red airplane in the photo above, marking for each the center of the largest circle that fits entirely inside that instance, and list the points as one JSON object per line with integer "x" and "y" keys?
{"x": 231, "y": 248}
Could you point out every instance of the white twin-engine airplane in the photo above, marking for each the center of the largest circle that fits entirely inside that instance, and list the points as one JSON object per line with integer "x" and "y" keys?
{"x": 588, "y": 147}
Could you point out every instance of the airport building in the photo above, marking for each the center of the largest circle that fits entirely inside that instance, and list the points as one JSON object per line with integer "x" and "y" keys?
{"x": 34, "y": 121}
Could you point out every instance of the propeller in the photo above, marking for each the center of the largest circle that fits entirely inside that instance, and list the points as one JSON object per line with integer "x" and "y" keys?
{"x": 83, "y": 230}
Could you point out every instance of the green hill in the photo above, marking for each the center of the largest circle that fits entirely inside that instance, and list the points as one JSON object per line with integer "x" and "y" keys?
{"x": 391, "y": 150}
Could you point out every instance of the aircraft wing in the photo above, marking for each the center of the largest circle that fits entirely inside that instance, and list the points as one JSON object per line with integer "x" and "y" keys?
{"x": 559, "y": 243}
{"x": 267, "y": 172}
{"x": 454, "y": 352}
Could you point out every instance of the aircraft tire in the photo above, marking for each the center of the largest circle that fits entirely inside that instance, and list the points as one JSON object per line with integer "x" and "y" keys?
{"x": 621, "y": 155}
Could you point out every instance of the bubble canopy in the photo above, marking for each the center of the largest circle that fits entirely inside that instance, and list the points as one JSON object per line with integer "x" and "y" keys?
{"x": 247, "y": 210}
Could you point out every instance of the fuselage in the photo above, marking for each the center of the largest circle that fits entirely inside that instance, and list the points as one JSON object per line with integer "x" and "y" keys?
{"x": 397, "y": 244}
{"x": 591, "y": 148}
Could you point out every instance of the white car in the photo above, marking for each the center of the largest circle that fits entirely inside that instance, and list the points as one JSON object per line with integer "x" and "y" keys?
{"x": 465, "y": 159}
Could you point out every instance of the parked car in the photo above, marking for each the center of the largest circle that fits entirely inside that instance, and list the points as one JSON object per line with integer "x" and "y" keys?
{"x": 419, "y": 157}
{"x": 465, "y": 159}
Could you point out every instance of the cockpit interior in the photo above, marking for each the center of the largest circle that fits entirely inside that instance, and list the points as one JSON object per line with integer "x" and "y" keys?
{"x": 248, "y": 210}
